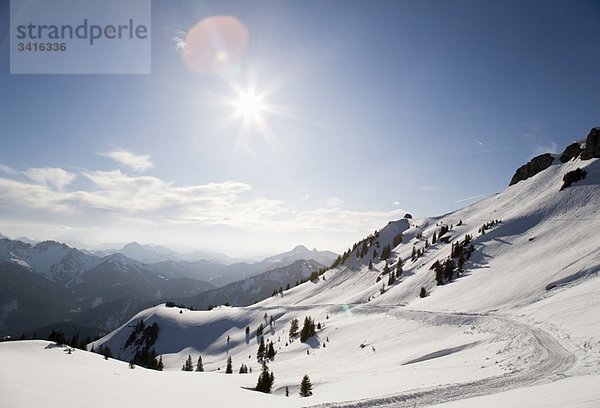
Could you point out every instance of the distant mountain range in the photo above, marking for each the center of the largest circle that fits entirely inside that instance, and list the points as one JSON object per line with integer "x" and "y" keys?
{"x": 49, "y": 282}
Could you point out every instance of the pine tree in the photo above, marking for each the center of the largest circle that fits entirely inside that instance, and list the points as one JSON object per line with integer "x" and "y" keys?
{"x": 271, "y": 351}
{"x": 308, "y": 329}
{"x": 188, "y": 365}
{"x": 399, "y": 270}
{"x": 461, "y": 261}
{"x": 293, "y": 327}
{"x": 305, "y": 387}
{"x": 229, "y": 369}
{"x": 160, "y": 364}
{"x": 199, "y": 365}
{"x": 265, "y": 380}
{"x": 247, "y": 330}
{"x": 423, "y": 292}
{"x": 243, "y": 369}
{"x": 391, "y": 279}
{"x": 449, "y": 270}
{"x": 260, "y": 354}
{"x": 439, "y": 273}
{"x": 287, "y": 391}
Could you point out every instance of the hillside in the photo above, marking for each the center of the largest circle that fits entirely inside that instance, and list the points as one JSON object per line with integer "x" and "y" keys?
{"x": 522, "y": 312}
{"x": 518, "y": 325}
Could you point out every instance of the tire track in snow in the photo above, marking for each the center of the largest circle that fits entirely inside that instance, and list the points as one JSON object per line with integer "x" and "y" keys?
{"x": 553, "y": 361}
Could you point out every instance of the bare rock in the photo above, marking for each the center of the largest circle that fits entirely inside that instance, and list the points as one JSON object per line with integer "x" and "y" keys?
{"x": 536, "y": 165}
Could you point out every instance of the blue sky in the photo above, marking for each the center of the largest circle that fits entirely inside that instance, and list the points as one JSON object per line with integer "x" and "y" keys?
{"x": 377, "y": 108}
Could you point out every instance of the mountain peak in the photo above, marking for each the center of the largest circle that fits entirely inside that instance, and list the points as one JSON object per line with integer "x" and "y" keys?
{"x": 132, "y": 245}
{"x": 300, "y": 248}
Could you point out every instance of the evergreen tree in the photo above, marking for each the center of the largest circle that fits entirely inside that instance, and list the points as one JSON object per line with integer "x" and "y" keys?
{"x": 391, "y": 279}
{"x": 449, "y": 270}
{"x": 199, "y": 365}
{"x": 308, "y": 329}
{"x": 293, "y": 327}
{"x": 287, "y": 391}
{"x": 305, "y": 387}
{"x": 160, "y": 364}
{"x": 229, "y": 369}
{"x": 247, "y": 330}
{"x": 265, "y": 380}
{"x": 243, "y": 369}
{"x": 271, "y": 351}
{"x": 423, "y": 292}
{"x": 260, "y": 354}
{"x": 461, "y": 261}
{"x": 439, "y": 273}
{"x": 188, "y": 365}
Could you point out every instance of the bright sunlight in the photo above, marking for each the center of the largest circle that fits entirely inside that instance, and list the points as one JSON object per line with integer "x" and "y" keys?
{"x": 249, "y": 105}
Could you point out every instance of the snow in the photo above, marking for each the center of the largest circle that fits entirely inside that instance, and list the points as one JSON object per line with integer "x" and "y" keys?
{"x": 49, "y": 376}
{"x": 521, "y": 327}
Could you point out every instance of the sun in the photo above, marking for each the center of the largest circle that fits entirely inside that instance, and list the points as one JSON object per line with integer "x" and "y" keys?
{"x": 249, "y": 105}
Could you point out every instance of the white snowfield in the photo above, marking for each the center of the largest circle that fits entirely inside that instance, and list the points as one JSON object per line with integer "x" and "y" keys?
{"x": 521, "y": 326}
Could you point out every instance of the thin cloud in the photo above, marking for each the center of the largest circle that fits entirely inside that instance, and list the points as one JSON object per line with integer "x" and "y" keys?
{"x": 470, "y": 198}
{"x": 136, "y": 162}
{"x": 52, "y": 176}
{"x": 7, "y": 170}
{"x": 334, "y": 202}
{"x": 121, "y": 203}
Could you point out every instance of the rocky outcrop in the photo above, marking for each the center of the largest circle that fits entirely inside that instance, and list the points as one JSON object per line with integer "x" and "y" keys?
{"x": 571, "y": 152}
{"x": 592, "y": 145}
{"x": 537, "y": 164}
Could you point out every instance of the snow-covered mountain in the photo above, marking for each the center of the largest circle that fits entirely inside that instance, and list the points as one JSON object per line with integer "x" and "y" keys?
{"x": 255, "y": 288}
{"x": 491, "y": 305}
{"x": 222, "y": 274}
{"x": 148, "y": 253}
{"x": 102, "y": 291}
{"x": 55, "y": 261}
{"x": 301, "y": 252}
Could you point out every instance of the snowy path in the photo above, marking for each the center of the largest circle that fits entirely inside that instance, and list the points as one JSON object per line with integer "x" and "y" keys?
{"x": 547, "y": 360}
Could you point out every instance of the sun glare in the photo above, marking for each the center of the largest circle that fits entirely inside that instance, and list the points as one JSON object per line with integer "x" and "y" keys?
{"x": 249, "y": 105}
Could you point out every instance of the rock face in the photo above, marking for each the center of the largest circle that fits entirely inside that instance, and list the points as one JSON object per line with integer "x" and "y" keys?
{"x": 537, "y": 164}
{"x": 571, "y": 152}
{"x": 592, "y": 145}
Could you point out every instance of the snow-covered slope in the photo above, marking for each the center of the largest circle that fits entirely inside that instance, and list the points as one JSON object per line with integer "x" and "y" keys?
{"x": 518, "y": 326}
{"x": 546, "y": 237}
{"x": 55, "y": 261}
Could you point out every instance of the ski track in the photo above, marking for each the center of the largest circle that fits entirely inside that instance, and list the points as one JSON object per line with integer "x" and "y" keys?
{"x": 552, "y": 360}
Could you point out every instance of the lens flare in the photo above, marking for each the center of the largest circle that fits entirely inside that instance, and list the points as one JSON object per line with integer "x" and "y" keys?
{"x": 215, "y": 45}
